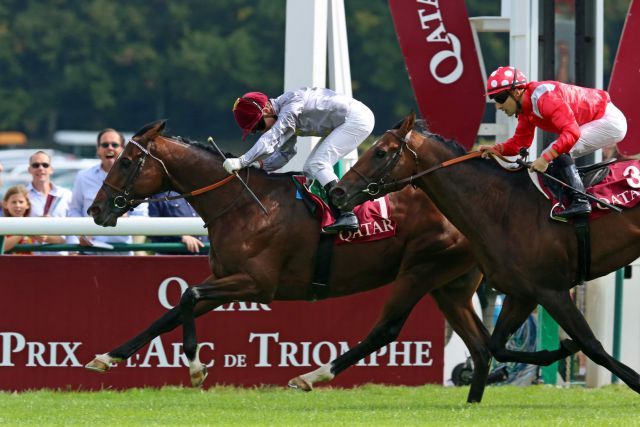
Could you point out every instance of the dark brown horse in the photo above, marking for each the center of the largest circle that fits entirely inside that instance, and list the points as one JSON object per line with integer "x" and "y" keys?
{"x": 259, "y": 258}
{"x": 520, "y": 250}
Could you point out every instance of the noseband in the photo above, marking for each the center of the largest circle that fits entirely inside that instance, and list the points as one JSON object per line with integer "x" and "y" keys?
{"x": 378, "y": 181}
{"x": 123, "y": 197}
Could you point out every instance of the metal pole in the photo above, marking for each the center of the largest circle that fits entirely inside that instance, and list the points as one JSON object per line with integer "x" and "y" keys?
{"x": 617, "y": 318}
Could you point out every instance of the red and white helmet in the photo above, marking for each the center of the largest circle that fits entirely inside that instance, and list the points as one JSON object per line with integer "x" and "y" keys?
{"x": 505, "y": 78}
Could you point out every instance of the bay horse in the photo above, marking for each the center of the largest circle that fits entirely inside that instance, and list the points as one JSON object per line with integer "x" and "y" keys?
{"x": 522, "y": 253}
{"x": 259, "y": 258}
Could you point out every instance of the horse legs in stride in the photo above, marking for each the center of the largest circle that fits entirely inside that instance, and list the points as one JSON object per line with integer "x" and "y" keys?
{"x": 406, "y": 294}
{"x": 236, "y": 287}
{"x": 167, "y": 322}
{"x": 512, "y": 316}
{"x": 458, "y": 309}
{"x": 563, "y": 310}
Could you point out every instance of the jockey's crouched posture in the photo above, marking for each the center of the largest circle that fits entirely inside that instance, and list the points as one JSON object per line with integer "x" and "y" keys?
{"x": 585, "y": 120}
{"x": 343, "y": 122}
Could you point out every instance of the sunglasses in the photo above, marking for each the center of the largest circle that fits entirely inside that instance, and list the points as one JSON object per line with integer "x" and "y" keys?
{"x": 500, "y": 97}
{"x": 260, "y": 126}
{"x": 37, "y": 165}
{"x": 112, "y": 144}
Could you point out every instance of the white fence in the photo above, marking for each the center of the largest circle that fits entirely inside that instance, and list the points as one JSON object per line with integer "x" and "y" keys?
{"x": 140, "y": 226}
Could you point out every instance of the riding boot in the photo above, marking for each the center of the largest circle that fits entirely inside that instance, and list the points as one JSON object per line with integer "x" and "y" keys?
{"x": 345, "y": 220}
{"x": 580, "y": 204}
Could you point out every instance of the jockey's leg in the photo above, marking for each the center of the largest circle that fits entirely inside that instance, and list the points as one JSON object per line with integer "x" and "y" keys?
{"x": 580, "y": 205}
{"x": 340, "y": 142}
{"x": 345, "y": 220}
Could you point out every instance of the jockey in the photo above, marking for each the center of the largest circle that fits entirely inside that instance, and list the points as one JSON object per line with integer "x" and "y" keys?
{"x": 343, "y": 122}
{"x": 585, "y": 120}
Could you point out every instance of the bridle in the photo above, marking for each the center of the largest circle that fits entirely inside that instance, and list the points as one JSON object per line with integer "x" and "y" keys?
{"x": 378, "y": 182}
{"x": 123, "y": 198}
{"x": 374, "y": 187}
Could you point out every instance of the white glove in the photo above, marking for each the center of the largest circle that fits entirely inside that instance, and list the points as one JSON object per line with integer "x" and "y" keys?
{"x": 232, "y": 165}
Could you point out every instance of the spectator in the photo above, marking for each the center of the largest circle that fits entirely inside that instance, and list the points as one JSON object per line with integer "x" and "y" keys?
{"x": 110, "y": 144}
{"x": 47, "y": 199}
{"x": 176, "y": 208}
{"x": 16, "y": 204}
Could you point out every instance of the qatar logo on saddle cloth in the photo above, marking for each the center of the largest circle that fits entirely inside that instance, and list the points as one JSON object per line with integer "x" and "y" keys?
{"x": 374, "y": 217}
{"x": 621, "y": 187}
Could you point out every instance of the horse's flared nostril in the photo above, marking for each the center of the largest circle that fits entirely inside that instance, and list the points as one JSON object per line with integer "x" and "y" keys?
{"x": 337, "y": 195}
{"x": 93, "y": 211}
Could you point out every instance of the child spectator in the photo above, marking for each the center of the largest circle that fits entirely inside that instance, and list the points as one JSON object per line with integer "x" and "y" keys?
{"x": 16, "y": 204}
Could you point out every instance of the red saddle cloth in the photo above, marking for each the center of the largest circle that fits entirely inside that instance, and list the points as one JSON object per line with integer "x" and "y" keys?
{"x": 374, "y": 217}
{"x": 621, "y": 187}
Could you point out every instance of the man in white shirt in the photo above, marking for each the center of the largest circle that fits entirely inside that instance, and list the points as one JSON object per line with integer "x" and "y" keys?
{"x": 89, "y": 181}
{"x": 47, "y": 199}
{"x": 343, "y": 122}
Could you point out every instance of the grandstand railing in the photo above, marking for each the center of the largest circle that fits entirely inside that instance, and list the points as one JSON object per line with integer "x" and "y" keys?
{"x": 134, "y": 226}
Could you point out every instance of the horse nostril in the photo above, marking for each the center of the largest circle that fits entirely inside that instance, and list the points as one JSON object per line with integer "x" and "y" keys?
{"x": 93, "y": 211}
{"x": 337, "y": 194}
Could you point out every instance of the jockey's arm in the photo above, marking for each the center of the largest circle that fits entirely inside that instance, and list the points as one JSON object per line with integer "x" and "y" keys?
{"x": 280, "y": 157}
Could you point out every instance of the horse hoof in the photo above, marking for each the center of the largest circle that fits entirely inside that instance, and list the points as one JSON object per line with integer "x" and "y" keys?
{"x": 299, "y": 384}
{"x": 198, "y": 377}
{"x": 98, "y": 365}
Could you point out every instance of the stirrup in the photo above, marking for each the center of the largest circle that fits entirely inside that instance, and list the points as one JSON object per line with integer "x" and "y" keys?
{"x": 345, "y": 222}
{"x": 577, "y": 209}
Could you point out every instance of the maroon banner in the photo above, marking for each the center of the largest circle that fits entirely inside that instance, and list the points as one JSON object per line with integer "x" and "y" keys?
{"x": 58, "y": 312}
{"x": 623, "y": 87}
{"x": 441, "y": 58}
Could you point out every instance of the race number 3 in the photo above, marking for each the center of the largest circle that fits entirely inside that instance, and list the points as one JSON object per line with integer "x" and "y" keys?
{"x": 633, "y": 176}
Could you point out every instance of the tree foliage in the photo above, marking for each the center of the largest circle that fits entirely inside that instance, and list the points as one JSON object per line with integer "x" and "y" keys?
{"x": 89, "y": 64}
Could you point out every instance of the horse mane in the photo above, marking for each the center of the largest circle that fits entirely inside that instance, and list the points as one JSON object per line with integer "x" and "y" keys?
{"x": 201, "y": 145}
{"x": 210, "y": 149}
{"x": 422, "y": 127}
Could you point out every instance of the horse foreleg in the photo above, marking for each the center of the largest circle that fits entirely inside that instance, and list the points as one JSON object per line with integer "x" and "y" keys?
{"x": 406, "y": 293}
{"x": 457, "y": 306}
{"x": 167, "y": 322}
{"x": 512, "y": 316}
{"x": 237, "y": 287}
{"x": 563, "y": 310}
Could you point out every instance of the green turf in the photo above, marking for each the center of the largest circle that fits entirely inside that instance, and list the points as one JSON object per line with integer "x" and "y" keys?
{"x": 367, "y": 405}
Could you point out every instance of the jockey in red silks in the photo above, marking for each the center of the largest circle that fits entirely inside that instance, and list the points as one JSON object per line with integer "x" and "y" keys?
{"x": 584, "y": 119}
{"x": 342, "y": 121}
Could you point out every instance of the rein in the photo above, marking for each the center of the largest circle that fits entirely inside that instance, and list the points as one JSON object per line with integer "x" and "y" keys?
{"x": 121, "y": 200}
{"x": 373, "y": 188}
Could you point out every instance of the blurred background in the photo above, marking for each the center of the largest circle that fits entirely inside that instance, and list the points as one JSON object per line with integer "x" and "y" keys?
{"x": 70, "y": 65}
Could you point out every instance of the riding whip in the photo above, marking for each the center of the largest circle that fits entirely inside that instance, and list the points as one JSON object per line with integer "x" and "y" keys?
{"x": 251, "y": 193}
{"x": 564, "y": 184}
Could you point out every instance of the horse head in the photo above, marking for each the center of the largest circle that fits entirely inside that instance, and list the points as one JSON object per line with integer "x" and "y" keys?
{"x": 136, "y": 174}
{"x": 389, "y": 160}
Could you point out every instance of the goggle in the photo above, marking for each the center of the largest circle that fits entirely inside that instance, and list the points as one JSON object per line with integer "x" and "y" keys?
{"x": 36, "y": 165}
{"x": 500, "y": 97}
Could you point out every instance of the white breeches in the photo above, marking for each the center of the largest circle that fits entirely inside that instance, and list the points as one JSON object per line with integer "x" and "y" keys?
{"x": 341, "y": 141}
{"x": 607, "y": 130}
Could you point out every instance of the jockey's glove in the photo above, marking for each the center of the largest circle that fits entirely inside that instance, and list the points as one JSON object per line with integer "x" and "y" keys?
{"x": 232, "y": 165}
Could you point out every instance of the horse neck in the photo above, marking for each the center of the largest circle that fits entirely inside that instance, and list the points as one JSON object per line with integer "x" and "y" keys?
{"x": 470, "y": 194}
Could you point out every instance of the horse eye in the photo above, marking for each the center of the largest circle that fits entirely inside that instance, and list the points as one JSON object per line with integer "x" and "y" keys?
{"x": 125, "y": 162}
{"x": 380, "y": 153}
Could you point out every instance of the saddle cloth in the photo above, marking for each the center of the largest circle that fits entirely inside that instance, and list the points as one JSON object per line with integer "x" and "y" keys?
{"x": 374, "y": 216}
{"x": 621, "y": 187}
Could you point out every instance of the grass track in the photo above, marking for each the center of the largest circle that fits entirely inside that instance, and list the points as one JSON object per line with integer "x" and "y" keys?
{"x": 368, "y": 405}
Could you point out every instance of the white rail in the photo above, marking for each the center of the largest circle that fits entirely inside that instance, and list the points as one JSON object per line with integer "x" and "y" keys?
{"x": 136, "y": 226}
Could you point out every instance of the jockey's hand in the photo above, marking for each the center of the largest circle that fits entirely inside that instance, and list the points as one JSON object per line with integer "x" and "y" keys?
{"x": 539, "y": 165}
{"x": 232, "y": 165}
{"x": 486, "y": 151}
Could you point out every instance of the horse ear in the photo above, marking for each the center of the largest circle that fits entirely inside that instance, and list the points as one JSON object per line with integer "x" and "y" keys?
{"x": 408, "y": 123}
